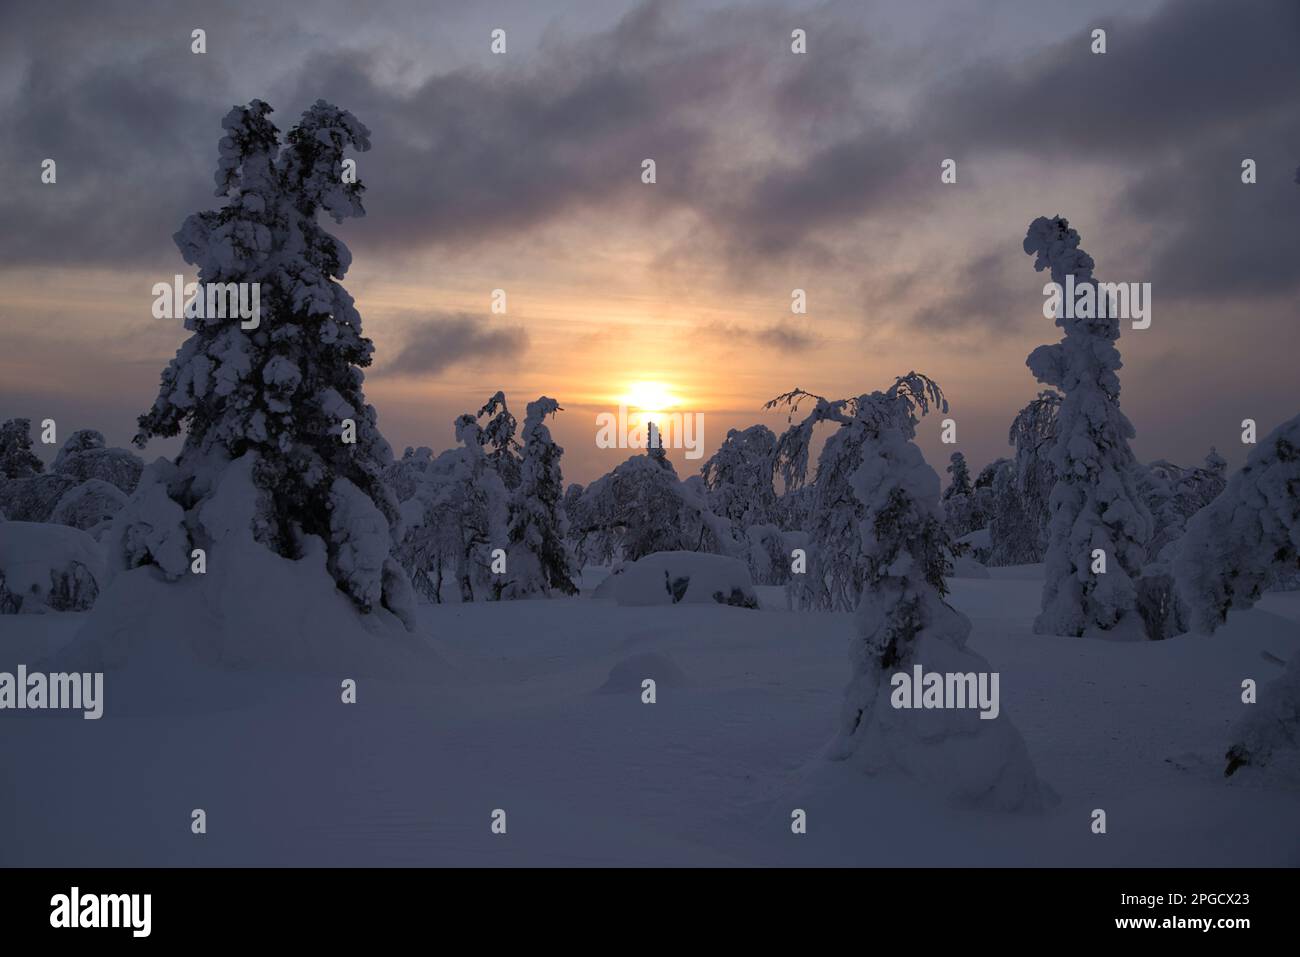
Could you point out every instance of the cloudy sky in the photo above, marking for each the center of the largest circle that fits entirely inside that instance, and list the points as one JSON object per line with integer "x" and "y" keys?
{"x": 775, "y": 171}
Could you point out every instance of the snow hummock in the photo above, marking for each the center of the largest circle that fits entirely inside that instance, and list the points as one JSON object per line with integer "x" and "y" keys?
{"x": 667, "y": 578}
{"x": 45, "y": 567}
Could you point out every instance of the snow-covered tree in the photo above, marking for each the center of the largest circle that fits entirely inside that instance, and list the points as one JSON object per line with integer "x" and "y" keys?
{"x": 540, "y": 563}
{"x": 837, "y": 566}
{"x": 1235, "y": 546}
{"x": 958, "y": 500}
{"x": 902, "y": 619}
{"x": 641, "y": 507}
{"x": 1232, "y": 550}
{"x": 285, "y": 392}
{"x": 85, "y": 456}
{"x": 89, "y": 506}
{"x": 1095, "y": 504}
{"x": 1019, "y": 517}
{"x": 959, "y": 484}
{"x": 499, "y": 436}
{"x": 739, "y": 477}
{"x": 455, "y": 508}
{"x": 17, "y": 460}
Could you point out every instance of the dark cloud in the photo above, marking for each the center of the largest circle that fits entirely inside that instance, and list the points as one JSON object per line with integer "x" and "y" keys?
{"x": 441, "y": 343}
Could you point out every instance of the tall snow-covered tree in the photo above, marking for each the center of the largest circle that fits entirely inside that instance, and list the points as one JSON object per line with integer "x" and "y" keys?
{"x": 286, "y": 393}
{"x": 902, "y": 619}
{"x": 1095, "y": 504}
{"x": 539, "y": 558}
{"x": 17, "y": 460}
{"x": 1232, "y": 550}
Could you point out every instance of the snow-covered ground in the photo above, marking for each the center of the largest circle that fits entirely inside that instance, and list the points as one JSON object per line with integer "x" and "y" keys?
{"x": 534, "y": 707}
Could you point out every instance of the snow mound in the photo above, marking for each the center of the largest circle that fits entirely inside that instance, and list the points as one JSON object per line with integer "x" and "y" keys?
{"x": 89, "y": 506}
{"x": 249, "y": 609}
{"x": 964, "y": 567}
{"x": 666, "y": 578}
{"x": 607, "y": 584}
{"x": 627, "y": 675}
{"x": 45, "y": 567}
{"x": 953, "y": 753}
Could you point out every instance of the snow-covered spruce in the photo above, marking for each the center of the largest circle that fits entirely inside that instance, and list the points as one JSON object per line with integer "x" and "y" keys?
{"x": 958, "y": 502}
{"x": 540, "y": 563}
{"x": 1232, "y": 550}
{"x": 902, "y": 620}
{"x": 1095, "y": 504}
{"x": 17, "y": 460}
{"x": 279, "y": 393}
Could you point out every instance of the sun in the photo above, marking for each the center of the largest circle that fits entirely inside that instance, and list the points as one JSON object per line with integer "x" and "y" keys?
{"x": 649, "y": 398}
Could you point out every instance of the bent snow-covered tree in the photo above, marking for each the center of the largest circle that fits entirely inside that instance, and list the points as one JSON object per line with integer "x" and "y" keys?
{"x": 837, "y": 567}
{"x": 285, "y": 393}
{"x": 1233, "y": 549}
{"x": 902, "y": 620}
{"x": 1095, "y": 506}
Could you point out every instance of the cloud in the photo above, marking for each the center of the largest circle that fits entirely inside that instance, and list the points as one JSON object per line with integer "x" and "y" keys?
{"x": 438, "y": 344}
{"x": 783, "y": 338}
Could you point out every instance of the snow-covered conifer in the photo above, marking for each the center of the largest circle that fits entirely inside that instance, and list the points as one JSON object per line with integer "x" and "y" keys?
{"x": 285, "y": 392}
{"x": 539, "y": 558}
{"x": 1095, "y": 504}
{"x": 499, "y": 436}
{"x": 17, "y": 460}
{"x": 902, "y": 619}
{"x": 1232, "y": 550}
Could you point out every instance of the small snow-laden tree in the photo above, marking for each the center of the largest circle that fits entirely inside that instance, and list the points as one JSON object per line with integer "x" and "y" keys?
{"x": 958, "y": 505}
{"x": 284, "y": 387}
{"x": 1235, "y": 546}
{"x": 1014, "y": 524}
{"x": 836, "y": 565}
{"x": 17, "y": 460}
{"x": 540, "y": 563}
{"x": 86, "y": 456}
{"x": 1018, "y": 525}
{"x": 499, "y": 436}
{"x": 454, "y": 518}
{"x": 902, "y": 620}
{"x": 640, "y": 508}
{"x": 1095, "y": 505}
{"x": 1232, "y": 550}
{"x": 739, "y": 477}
